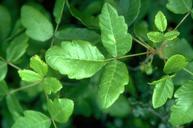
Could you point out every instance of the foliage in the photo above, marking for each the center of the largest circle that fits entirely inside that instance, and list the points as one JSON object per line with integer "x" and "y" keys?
{"x": 114, "y": 63}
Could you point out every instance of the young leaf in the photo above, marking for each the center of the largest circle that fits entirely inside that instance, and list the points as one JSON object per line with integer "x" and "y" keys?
{"x": 155, "y": 37}
{"x": 51, "y": 85}
{"x": 113, "y": 80}
{"x": 163, "y": 90}
{"x": 32, "y": 119}
{"x": 29, "y": 76}
{"x": 58, "y": 10}
{"x": 3, "y": 89}
{"x": 160, "y": 21}
{"x": 77, "y": 59}
{"x": 175, "y": 63}
{"x": 179, "y": 6}
{"x": 38, "y": 65}
{"x": 129, "y": 9}
{"x": 5, "y": 23}
{"x": 171, "y": 35}
{"x": 17, "y": 48}
{"x": 3, "y": 70}
{"x": 114, "y": 32}
{"x": 61, "y": 109}
{"x": 182, "y": 111}
{"x": 37, "y": 25}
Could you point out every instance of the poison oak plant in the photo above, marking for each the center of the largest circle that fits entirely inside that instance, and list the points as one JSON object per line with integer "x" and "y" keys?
{"x": 51, "y": 72}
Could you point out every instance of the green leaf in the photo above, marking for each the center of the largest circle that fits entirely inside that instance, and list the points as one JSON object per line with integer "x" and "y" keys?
{"x": 163, "y": 90}
{"x": 160, "y": 21}
{"x": 171, "y": 35}
{"x": 51, "y": 85}
{"x": 182, "y": 111}
{"x": 71, "y": 33}
{"x": 114, "y": 32}
{"x": 17, "y": 48}
{"x": 177, "y": 47}
{"x": 77, "y": 59}
{"x": 58, "y": 10}
{"x": 32, "y": 119}
{"x": 179, "y": 6}
{"x": 141, "y": 30}
{"x": 175, "y": 63}
{"x": 37, "y": 25}
{"x": 113, "y": 80}
{"x": 155, "y": 37}
{"x": 3, "y": 89}
{"x": 5, "y": 23}
{"x": 115, "y": 110}
{"x": 86, "y": 19}
{"x": 61, "y": 109}
{"x": 29, "y": 76}
{"x": 38, "y": 65}
{"x": 14, "y": 106}
{"x": 129, "y": 9}
{"x": 3, "y": 70}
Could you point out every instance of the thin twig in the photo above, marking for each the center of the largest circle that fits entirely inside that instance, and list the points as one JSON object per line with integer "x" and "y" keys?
{"x": 24, "y": 87}
{"x": 9, "y": 63}
{"x": 142, "y": 43}
{"x": 182, "y": 20}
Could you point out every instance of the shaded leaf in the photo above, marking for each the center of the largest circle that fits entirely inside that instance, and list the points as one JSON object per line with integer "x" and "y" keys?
{"x": 58, "y": 10}
{"x": 3, "y": 70}
{"x": 37, "y": 25}
{"x": 17, "y": 48}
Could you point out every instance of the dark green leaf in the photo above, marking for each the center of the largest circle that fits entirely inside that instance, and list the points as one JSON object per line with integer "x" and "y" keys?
{"x": 3, "y": 70}
{"x": 58, "y": 10}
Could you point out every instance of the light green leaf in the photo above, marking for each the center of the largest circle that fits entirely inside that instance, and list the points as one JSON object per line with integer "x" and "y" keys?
{"x": 51, "y": 85}
{"x": 129, "y": 9}
{"x": 32, "y": 119}
{"x": 77, "y": 59}
{"x": 38, "y": 65}
{"x": 113, "y": 80}
{"x": 155, "y": 37}
{"x": 182, "y": 111}
{"x": 114, "y": 32}
{"x": 3, "y": 89}
{"x": 71, "y": 33}
{"x": 179, "y": 6}
{"x": 29, "y": 76}
{"x": 3, "y": 70}
{"x": 163, "y": 90}
{"x": 61, "y": 109}
{"x": 58, "y": 10}
{"x": 37, "y": 25}
{"x": 5, "y": 23}
{"x": 171, "y": 35}
{"x": 160, "y": 21}
{"x": 17, "y": 48}
{"x": 175, "y": 63}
